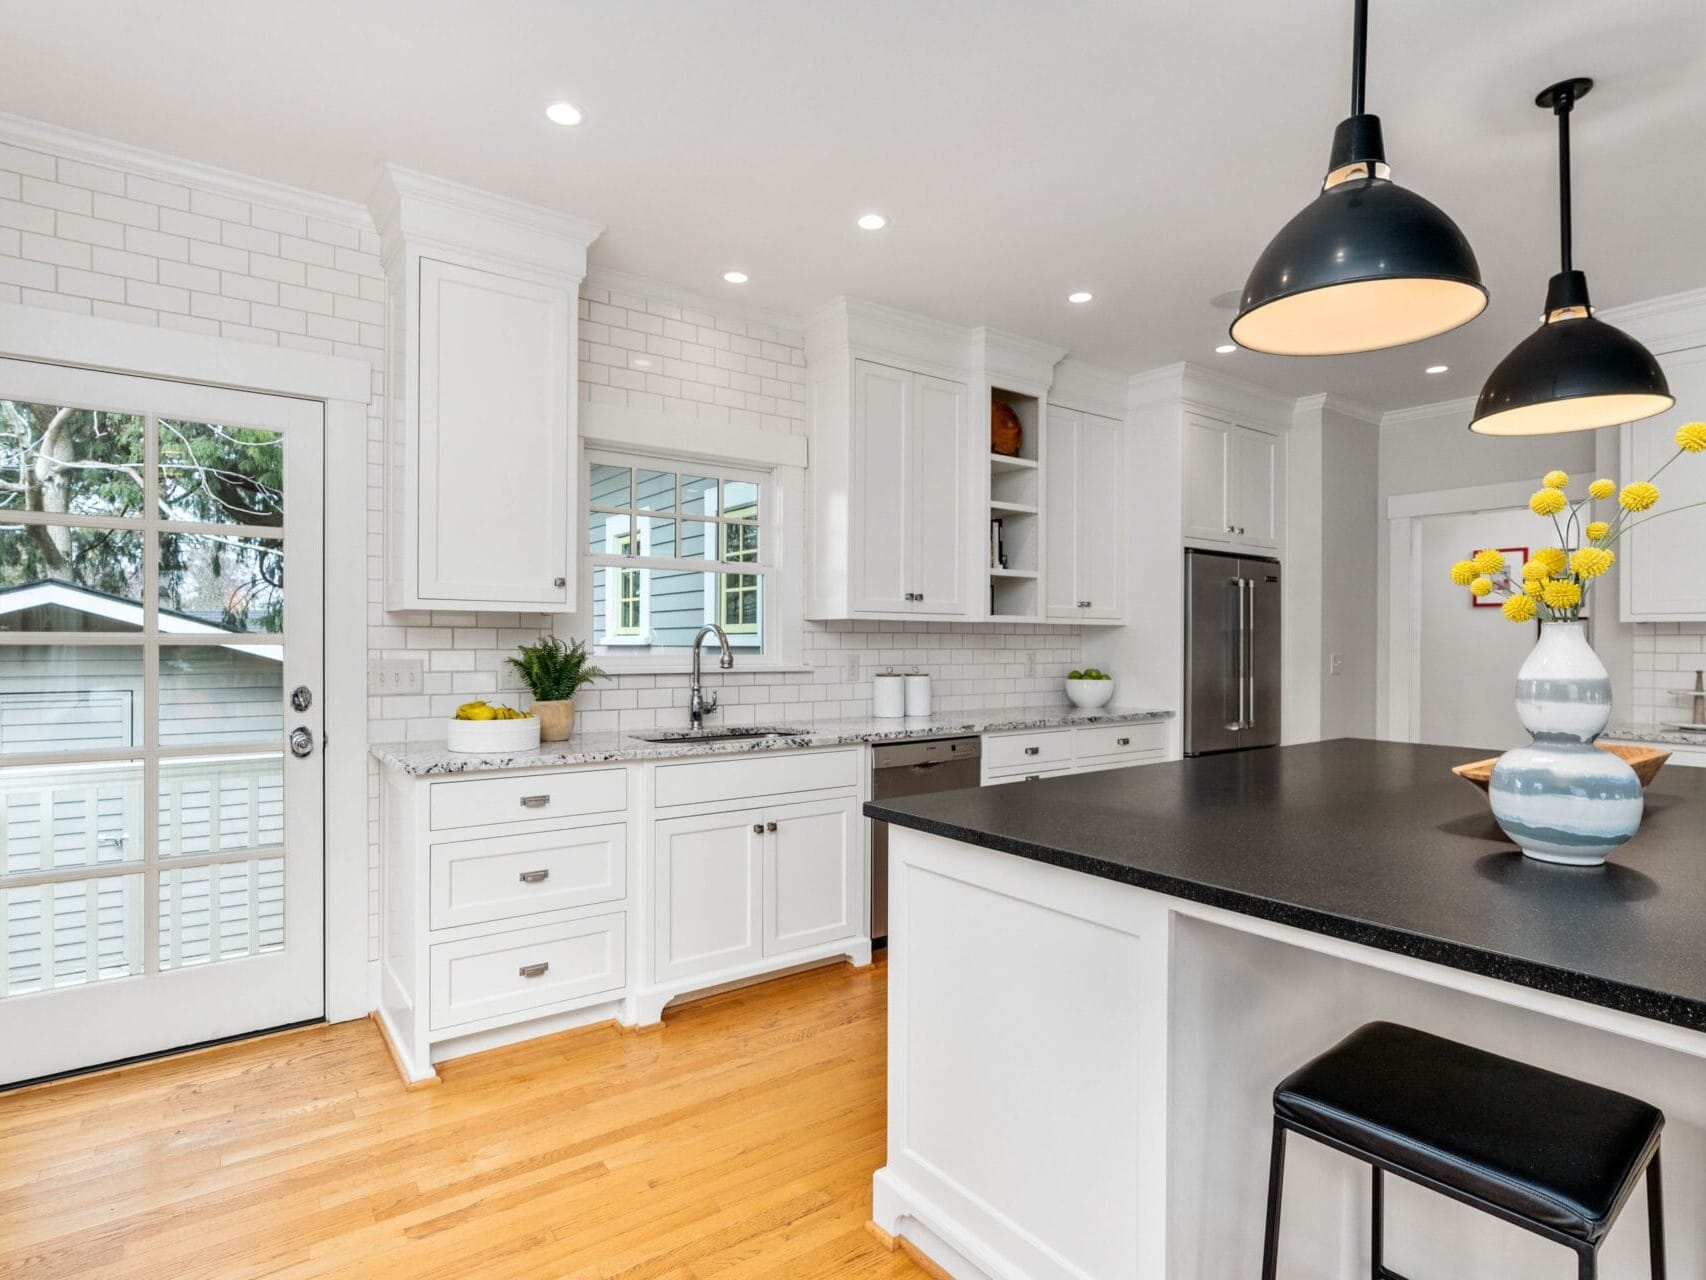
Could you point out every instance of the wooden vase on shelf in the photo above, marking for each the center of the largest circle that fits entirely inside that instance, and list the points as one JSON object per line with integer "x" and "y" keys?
{"x": 1006, "y": 432}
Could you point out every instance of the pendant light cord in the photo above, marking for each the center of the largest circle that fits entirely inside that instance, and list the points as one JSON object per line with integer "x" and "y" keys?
{"x": 1359, "y": 57}
{"x": 1565, "y": 101}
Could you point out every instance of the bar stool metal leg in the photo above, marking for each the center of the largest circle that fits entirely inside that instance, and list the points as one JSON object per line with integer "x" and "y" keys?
{"x": 1588, "y": 1269}
{"x": 1656, "y": 1218}
{"x": 1276, "y": 1183}
{"x": 1378, "y": 1235}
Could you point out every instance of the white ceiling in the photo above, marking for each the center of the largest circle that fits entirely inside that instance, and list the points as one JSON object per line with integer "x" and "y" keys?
{"x": 1021, "y": 149}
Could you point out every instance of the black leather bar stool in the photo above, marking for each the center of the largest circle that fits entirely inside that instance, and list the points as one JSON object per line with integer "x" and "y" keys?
{"x": 1553, "y": 1155}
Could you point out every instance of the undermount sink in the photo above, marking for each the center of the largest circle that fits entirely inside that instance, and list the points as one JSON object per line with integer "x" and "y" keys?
{"x": 721, "y": 733}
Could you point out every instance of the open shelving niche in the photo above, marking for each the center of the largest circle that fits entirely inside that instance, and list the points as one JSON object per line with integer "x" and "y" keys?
{"x": 1015, "y": 497}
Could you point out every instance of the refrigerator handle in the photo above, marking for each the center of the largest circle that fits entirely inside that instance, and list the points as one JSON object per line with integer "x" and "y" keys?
{"x": 1238, "y": 676}
{"x": 1249, "y": 660}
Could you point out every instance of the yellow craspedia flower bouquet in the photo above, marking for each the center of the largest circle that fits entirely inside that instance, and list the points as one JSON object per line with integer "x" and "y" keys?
{"x": 1553, "y": 584}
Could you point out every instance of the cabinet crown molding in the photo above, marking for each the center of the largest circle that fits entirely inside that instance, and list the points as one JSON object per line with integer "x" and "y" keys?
{"x": 1212, "y": 393}
{"x": 883, "y": 332}
{"x": 1672, "y": 323}
{"x": 1090, "y": 388}
{"x": 1008, "y": 358}
{"x": 428, "y": 212}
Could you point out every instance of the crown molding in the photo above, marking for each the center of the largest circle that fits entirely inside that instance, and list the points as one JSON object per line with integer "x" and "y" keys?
{"x": 1671, "y": 323}
{"x": 35, "y": 135}
{"x": 1090, "y": 388}
{"x": 847, "y": 324}
{"x": 1463, "y": 409}
{"x": 1009, "y": 358}
{"x": 1330, "y": 402}
{"x": 663, "y": 291}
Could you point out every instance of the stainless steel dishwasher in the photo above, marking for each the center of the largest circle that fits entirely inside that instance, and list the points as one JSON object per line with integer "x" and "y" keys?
{"x": 913, "y": 769}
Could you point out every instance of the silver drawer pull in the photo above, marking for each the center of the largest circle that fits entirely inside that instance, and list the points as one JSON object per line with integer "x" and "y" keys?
{"x": 1032, "y": 777}
{"x": 534, "y": 877}
{"x": 758, "y": 828}
{"x": 1031, "y": 751}
{"x": 534, "y": 970}
{"x": 535, "y": 802}
{"x": 770, "y": 826}
{"x": 1122, "y": 742}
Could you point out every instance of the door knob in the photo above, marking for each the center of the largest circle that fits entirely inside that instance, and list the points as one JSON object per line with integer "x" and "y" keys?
{"x": 301, "y": 742}
{"x": 301, "y": 698}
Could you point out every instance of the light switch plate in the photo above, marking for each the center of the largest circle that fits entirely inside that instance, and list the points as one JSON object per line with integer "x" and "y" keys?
{"x": 1335, "y": 664}
{"x": 395, "y": 675}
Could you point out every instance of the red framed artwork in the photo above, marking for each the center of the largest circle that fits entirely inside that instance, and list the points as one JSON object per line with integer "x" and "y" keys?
{"x": 1514, "y": 559}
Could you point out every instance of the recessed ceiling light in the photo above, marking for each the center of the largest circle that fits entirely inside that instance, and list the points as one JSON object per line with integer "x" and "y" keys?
{"x": 564, "y": 113}
{"x": 1080, "y": 296}
{"x": 1225, "y": 349}
{"x": 735, "y": 277}
{"x": 873, "y": 222}
{"x": 1438, "y": 368}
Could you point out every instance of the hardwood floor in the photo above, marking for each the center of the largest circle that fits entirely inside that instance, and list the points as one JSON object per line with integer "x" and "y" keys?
{"x": 737, "y": 1140}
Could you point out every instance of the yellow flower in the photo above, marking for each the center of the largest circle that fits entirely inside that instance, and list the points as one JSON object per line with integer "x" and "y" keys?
{"x": 1481, "y": 587}
{"x": 1520, "y": 608}
{"x": 1488, "y": 561}
{"x": 1556, "y": 480}
{"x": 1549, "y": 501}
{"x": 1534, "y": 588}
{"x": 1691, "y": 437}
{"x": 1533, "y": 571}
{"x": 1463, "y": 572}
{"x": 1552, "y": 558}
{"x": 1602, "y": 489}
{"x": 1590, "y": 562}
{"x": 1597, "y": 530}
{"x": 1561, "y": 593}
{"x": 1638, "y": 496}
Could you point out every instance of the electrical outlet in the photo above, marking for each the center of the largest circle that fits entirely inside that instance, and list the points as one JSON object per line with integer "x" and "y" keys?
{"x": 852, "y": 666}
{"x": 395, "y": 675}
{"x": 1030, "y": 663}
{"x": 1335, "y": 664}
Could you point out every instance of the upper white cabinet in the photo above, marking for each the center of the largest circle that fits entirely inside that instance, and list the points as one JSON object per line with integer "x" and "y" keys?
{"x": 1659, "y": 580}
{"x": 1232, "y": 475}
{"x": 1084, "y": 517}
{"x": 481, "y": 442}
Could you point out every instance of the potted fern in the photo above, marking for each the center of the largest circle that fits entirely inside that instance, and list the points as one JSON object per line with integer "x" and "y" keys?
{"x": 554, "y": 671}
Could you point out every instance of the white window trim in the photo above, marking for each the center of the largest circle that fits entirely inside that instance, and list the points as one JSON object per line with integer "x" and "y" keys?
{"x": 781, "y": 495}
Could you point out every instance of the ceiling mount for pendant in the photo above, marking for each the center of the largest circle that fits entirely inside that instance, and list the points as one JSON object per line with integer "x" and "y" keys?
{"x": 1574, "y": 373}
{"x": 1367, "y": 264}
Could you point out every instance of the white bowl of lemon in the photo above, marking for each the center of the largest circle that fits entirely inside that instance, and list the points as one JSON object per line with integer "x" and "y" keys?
{"x": 1089, "y": 689}
{"x": 482, "y": 728}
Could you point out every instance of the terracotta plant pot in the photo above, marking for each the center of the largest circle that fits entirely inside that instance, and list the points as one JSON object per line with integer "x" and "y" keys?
{"x": 556, "y": 719}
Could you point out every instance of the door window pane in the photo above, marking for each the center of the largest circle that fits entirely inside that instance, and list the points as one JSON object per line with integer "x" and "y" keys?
{"x": 224, "y": 694}
{"x": 223, "y": 804}
{"x": 220, "y": 583}
{"x": 71, "y": 933}
{"x": 70, "y": 698}
{"x": 69, "y": 461}
{"x": 221, "y": 912}
{"x": 81, "y": 815}
{"x": 215, "y": 474}
{"x": 62, "y": 578}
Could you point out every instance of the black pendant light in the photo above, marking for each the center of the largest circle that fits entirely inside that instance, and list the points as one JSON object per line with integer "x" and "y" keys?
{"x": 1367, "y": 264}
{"x": 1575, "y": 372}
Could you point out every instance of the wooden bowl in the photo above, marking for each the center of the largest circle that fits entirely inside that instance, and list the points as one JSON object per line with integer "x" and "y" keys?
{"x": 1645, "y": 761}
{"x": 1006, "y": 432}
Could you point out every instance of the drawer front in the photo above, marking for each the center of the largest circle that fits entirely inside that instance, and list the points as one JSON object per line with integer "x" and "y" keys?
{"x": 503, "y": 974}
{"x": 747, "y": 777}
{"x": 1002, "y": 751}
{"x": 476, "y": 881}
{"x": 479, "y": 802}
{"x": 1136, "y": 740}
{"x": 1026, "y": 775}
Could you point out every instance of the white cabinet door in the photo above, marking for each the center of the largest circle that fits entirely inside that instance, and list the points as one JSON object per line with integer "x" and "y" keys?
{"x": 1661, "y": 578}
{"x": 496, "y": 440}
{"x": 937, "y": 533}
{"x": 1062, "y": 535}
{"x": 1101, "y": 506}
{"x": 1207, "y": 467}
{"x": 813, "y": 874}
{"x": 706, "y": 878}
{"x": 1255, "y": 487}
{"x": 883, "y": 408}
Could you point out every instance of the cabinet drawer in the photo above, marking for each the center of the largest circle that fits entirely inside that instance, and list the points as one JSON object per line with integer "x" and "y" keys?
{"x": 527, "y": 969}
{"x": 745, "y": 777}
{"x": 1017, "y": 750}
{"x": 1135, "y": 740}
{"x": 1024, "y": 775}
{"x": 475, "y": 881}
{"x": 478, "y": 802}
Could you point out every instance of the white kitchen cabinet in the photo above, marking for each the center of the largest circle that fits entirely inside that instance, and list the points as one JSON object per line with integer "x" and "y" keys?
{"x": 481, "y": 443}
{"x": 1232, "y": 477}
{"x": 814, "y": 882}
{"x": 1659, "y": 579}
{"x": 1027, "y": 754}
{"x": 1084, "y": 513}
{"x": 707, "y": 877}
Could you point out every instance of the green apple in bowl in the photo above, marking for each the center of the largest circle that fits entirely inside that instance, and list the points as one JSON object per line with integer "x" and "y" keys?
{"x": 1089, "y": 688}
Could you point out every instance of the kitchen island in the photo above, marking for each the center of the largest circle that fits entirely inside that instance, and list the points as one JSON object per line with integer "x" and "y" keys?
{"x": 1096, "y": 982}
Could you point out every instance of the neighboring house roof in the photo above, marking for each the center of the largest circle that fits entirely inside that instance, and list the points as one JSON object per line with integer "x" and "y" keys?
{"x": 49, "y": 593}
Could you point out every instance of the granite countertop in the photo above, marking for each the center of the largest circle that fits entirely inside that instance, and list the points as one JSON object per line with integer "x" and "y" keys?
{"x": 1375, "y": 843}
{"x": 617, "y": 746}
{"x": 1650, "y": 733}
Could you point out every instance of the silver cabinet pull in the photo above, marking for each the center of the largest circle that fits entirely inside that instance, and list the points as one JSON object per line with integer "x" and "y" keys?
{"x": 1122, "y": 742}
{"x": 535, "y": 802}
{"x": 534, "y": 877}
{"x": 1032, "y": 777}
{"x": 1033, "y": 751}
{"x": 559, "y": 582}
{"x": 758, "y": 828}
{"x": 534, "y": 970}
{"x": 770, "y": 826}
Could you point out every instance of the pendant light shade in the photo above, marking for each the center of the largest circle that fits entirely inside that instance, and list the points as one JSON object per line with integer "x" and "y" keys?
{"x": 1367, "y": 264}
{"x": 1575, "y": 372}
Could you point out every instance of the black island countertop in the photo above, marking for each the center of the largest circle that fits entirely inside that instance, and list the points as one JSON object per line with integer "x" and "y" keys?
{"x": 1375, "y": 843}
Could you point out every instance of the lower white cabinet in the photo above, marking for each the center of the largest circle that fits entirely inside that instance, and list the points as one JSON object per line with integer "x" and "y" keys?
{"x": 707, "y": 876}
{"x": 1027, "y": 754}
{"x": 814, "y": 874}
{"x": 527, "y": 970}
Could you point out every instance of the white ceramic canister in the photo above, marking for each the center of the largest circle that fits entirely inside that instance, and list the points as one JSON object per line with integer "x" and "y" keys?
{"x": 917, "y": 694}
{"x": 888, "y": 695}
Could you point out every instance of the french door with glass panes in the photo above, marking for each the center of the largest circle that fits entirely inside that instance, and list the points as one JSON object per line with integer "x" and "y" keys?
{"x": 161, "y": 790}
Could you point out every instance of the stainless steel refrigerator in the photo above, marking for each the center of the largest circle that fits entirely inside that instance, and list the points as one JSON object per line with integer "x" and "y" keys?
{"x": 1232, "y": 652}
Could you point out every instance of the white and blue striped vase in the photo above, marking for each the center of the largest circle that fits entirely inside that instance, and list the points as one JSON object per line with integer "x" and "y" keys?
{"x": 1562, "y": 799}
